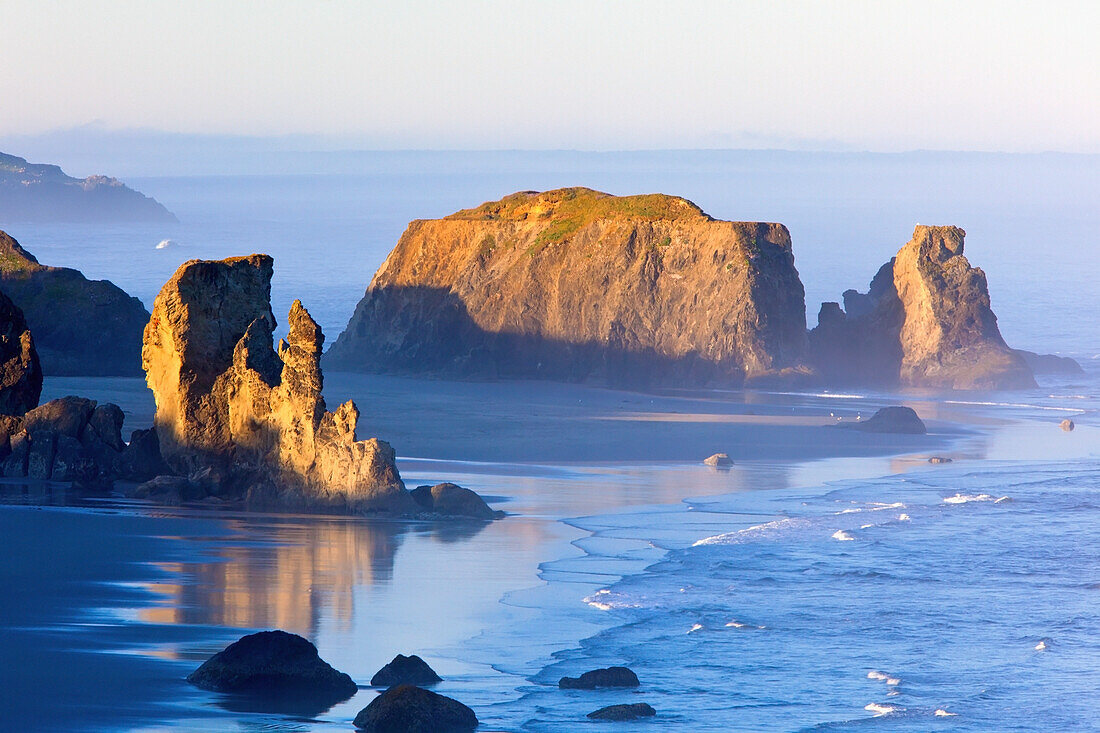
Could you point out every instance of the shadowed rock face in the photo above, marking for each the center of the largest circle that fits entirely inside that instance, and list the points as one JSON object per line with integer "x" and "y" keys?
{"x": 20, "y": 372}
{"x": 227, "y": 402}
{"x": 81, "y": 326}
{"x": 574, "y": 284}
{"x": 410, "y": 709}
{"x": 926, "y": 322}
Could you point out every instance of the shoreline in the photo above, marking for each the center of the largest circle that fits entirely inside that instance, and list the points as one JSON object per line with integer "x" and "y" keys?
{"x": 552, "y": 506}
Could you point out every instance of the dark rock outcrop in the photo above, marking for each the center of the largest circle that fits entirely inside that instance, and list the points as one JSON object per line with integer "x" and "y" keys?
{"x": 20, "y": 371}
{"x": 33, "y": 192}
{"x": 577, "y": 285}
{"x": 623, "y": 712}
{"x": 227, "y": 402}
{"x": 273, "y": 663}
{"x": 926, "y": 322}
{"x": 1051, "y": 364}
{"x": 81, "y": 327}
{"x": 897, "y": 419}
{"x": 70, "y": 439}
{"x": 409, "y": 709}
{"x": 608, "y": 677}
{"x": 411, "y": 670}
{"x": 450, "y": 500}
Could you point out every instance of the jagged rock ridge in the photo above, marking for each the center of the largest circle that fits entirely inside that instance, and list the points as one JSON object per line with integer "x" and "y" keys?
{"x": 926, "y": 322}
{"x": 227, "y": 402}
{"x": 20, "y": 371}
{"x": 31, "y": 192}
{"x": 575, "y": 284}
{"x": 81, "y": 327}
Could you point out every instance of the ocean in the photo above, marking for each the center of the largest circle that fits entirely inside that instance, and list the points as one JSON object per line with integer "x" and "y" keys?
{"x": 828, "y": 581}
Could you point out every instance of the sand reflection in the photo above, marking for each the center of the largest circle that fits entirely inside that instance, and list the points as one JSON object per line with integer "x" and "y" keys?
{"x": 287, "y": 573}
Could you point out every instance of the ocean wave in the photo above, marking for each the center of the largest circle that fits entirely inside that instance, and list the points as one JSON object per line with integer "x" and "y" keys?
{"x": 968, "y": 498}
{"x": 842, "y": 536}
{"x": 607, "y": 600}
{"x": 768, "y": 530}
{"x": 941, "y": 713}
{"x": 874, "y": 674}
{"x": 880, "y": 709}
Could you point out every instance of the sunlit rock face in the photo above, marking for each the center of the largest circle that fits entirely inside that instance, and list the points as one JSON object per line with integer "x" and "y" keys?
{"x": 228, "y": 402}
{"x": 575, "y": 285}
{"x": 925, "y": 322}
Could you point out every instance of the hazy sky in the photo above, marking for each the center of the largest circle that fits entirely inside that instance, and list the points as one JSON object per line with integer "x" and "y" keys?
{"x": 1018, "y": 76}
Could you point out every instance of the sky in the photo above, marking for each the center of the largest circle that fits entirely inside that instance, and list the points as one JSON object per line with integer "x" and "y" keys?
{"x": 567, "y": 74}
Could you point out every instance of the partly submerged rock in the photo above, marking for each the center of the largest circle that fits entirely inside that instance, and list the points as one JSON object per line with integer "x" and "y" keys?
{"x": 623, "y": 712}
{"x": 1067, "y": 425}
{"x": 173, "y": 490}
{"x": 227, "y": 401}
{"x": 273, "y": 663}
{"x": 140, "y": 460}
{"x": 926, "y": 322}
{"x": 897, "y": 419}
{"x": 450, "y": 500}
{"x": 411, "y": 670}
{"x": 81, "y": 327}
{"x": 410, "y": 709}
{"x": 574, "y": 284}
{"x": 939, "y": 459}
{"x": 20, "y": 371}
{"x": 1051, "y": 364}
{"x": 608, "y": 677}
{"x": 719, "y": 460}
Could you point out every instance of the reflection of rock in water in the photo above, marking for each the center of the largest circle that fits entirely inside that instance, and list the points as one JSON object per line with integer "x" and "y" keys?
{"x": 283, "y": 576}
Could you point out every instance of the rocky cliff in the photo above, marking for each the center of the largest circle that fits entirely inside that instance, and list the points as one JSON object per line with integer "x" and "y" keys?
{"x": 926, "y": 322}
{"x": 81, "y": 327}
{"x": 20, "y": 372}
{"x": 31, "y": 192}
{"x": 228, "y": 403}
{"x": 575, "y": 284}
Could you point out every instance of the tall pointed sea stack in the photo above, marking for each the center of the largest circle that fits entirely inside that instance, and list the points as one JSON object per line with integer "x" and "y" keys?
{"x": 226, "y": 401}
{"x": 575, "y": 284}
{"x": 926, "y": 322}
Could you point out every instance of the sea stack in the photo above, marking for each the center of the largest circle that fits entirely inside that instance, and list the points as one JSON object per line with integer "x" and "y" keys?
{"x": 575, "y": 285}
{"x": 227, "y": 402}
{"x": 926, "y": 322}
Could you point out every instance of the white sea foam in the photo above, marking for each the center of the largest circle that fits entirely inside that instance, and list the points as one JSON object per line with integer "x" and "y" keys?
{"x": 167, "y": 243}
{"x": 968, "y": 498}
{"x": 874, "y": 674}
{"x": 941, "y": 713}
{"x": 842, "y": 536}
{"x": 767, "y": 530}
{"x": 695, "y": 627}
{"x": 735, "y": 625}
{"x": 606, "y": 600}
{"x": 880, "y": 709}
{"x": 1041, "y": 646}
{"x": 866, "y": 526}
{"x": 903, "y": 517}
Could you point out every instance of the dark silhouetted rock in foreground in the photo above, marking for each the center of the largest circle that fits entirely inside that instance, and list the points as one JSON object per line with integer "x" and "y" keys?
{"x": 409, "y": 709}
{"x": 411, "y": 670}
{"x": 624, "y": 712}
{"x": 81, "y": 327}
{"x": 273, "y": 663}
{"x": 896, "y": 419}
{"x": 34, "y": 192}
{"x": 719, "y": 460}
{"x": 172, "y": 490}
{"x": 450, "y": 500}
{"x": 575, "y": 285}
{"x": 926, "y": 322}
{"x": 20, "y": 371}
{"x": 609, "y": 677}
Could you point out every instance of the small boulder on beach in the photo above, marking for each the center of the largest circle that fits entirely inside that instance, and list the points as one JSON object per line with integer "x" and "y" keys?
{"x": 411, "y": 709}
{"x": 451, "y": 500}
{"x": 719, "y": 460}
{"x": 1067, "y": 425}
{"x": 939, "y": 459}
{"x": 609, "y": 677}
{"x": 411, "y": 670}
{"x": 897, "y": 419}
{"x": 273, "y": 663}
{"x": 624, "y": 712}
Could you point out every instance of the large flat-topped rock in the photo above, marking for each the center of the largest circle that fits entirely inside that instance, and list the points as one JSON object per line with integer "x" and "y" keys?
{"x": 575, "y": 284}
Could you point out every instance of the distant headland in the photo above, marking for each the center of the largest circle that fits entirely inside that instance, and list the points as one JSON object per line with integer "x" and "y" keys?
{"x": 31, "y": 192}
